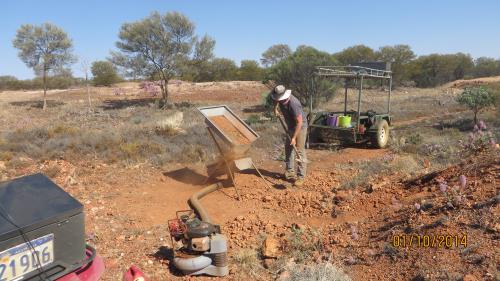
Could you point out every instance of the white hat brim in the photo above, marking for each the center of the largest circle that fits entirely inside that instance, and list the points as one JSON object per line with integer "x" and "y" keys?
{"x": 285, "y": 95}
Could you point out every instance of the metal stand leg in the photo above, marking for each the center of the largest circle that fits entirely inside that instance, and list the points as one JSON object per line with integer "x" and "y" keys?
{"x": 261, "y": 176}
{"x": 230, "y": 172}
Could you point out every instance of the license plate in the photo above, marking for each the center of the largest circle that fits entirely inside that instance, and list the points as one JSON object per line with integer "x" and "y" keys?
{"x": 22, "y": 259}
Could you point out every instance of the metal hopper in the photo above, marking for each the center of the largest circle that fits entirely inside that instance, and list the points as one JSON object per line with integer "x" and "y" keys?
{"x": 236, "y": 135}
{"x": 233, "y": 138}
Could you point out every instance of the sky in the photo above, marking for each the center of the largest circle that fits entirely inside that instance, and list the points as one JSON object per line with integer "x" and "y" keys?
{"x": 245, "y": 29}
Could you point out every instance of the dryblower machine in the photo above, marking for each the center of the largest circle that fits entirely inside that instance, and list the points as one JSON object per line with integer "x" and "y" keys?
{"x": 199, "y": 247}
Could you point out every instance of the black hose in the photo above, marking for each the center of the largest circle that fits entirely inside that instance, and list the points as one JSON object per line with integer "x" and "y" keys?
{"x": 196, "y": 205}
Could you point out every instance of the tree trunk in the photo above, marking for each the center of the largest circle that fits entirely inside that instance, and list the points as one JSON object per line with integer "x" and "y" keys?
{"x": 475, "y": 117}
{"x": 164, "y": 93}
{"x": 44, "y": 88}
{"x": 88, "y": 91}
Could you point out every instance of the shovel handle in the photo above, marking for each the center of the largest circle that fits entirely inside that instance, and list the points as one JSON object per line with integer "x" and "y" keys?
{"x": 288, "y": 137}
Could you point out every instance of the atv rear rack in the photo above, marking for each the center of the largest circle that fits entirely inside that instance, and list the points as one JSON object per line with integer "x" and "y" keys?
{"x": 351, "y": 71}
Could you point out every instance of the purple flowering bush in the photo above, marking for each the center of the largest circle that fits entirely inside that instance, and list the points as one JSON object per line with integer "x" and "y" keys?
{"x": 118, "y": 91}
{"x": 479, "y": 139}
{"x": 151, "y": 88}
{"x": 454, "y": 195}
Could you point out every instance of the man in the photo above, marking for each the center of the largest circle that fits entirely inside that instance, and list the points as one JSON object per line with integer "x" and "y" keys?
{"x": 296, "y": 121}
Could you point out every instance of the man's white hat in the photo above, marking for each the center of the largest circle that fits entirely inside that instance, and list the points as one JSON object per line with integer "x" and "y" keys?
{"x": 280, "y": 93}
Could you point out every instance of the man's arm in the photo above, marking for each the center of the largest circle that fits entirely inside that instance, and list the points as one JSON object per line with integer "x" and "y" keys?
{"x": 297, "y": 130}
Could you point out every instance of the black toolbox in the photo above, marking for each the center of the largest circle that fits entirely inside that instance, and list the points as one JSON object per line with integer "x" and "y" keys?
{"x": 41, "y": 221}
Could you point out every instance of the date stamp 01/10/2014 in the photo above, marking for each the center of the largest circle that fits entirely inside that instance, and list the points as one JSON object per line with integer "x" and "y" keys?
{"x": 429, "y": 241}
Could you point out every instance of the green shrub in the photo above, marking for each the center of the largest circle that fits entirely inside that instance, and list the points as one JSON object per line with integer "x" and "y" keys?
{"x": 253, "y": 119}
{"x": 104, "y": 73}
{"x": 296, "y": 72}
{"x": 250, "y": 71}
{"x": 476, "y": 99}
{"x": 436, "y": 69}
{"x": 53, "y": 82}
{"x": 268, "y": 104}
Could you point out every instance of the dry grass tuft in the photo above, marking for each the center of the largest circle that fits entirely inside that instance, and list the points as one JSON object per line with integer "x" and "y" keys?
{"x": 130, "y": 135}
{"x": 247, "y": 262}
{"x": 52, "y": 171}
{"x": 406, "y": 164}
{"x": 61, "y": 130}
{"x": 130, "y": 149}
{"x": 303, "y": 243}
{"x": 6, "y": 156}
{"x": 170, "y": 125}
{"x": 318, "y": 272}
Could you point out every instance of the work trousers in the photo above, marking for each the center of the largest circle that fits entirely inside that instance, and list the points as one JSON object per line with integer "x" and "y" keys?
{"x": 301, "y": 149}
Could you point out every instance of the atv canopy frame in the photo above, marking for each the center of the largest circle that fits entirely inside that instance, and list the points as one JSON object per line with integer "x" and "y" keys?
{"x": 358, "y": 72}
{"x": 354, "y": 75}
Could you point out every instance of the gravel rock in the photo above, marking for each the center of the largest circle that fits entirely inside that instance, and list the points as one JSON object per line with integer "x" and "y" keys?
{"x": 267, "y": 198}
{"x": 270, "y": 248}
{"x": 268, "y": 263}
{"x": 469, "y": 277}
{"x": 285, "y": 275}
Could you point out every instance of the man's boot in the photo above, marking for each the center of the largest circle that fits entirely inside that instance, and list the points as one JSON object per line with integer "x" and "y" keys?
{"x": 290, "y": 175}
{"x": 299, "y": 182}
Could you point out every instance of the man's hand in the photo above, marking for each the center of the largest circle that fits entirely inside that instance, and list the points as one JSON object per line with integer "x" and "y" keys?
{"x": 276, "y": 110}
{"x": 293, "y": 142}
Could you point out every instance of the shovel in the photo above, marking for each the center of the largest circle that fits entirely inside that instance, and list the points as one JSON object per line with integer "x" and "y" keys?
{"x": 299, "y": 157}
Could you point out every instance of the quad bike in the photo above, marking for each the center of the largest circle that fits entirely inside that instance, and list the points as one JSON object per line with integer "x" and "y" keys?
{"x": 352, "y": 126}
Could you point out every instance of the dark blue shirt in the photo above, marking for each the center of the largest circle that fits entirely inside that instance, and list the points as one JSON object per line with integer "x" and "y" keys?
{"x": 291, "y": 110}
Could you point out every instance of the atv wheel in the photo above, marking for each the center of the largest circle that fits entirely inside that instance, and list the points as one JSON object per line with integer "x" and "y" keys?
{"x": 381, "y": 137}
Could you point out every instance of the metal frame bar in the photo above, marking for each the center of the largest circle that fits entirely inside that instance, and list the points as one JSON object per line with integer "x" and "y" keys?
{"x": 359, "y": 107}
{"x": 389, "y": 99}
{"x": 352, "y": 71}
{"x": 313, "y": 90}
{"x": 358, "y": 73}
{"x": 345, "y": 96}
